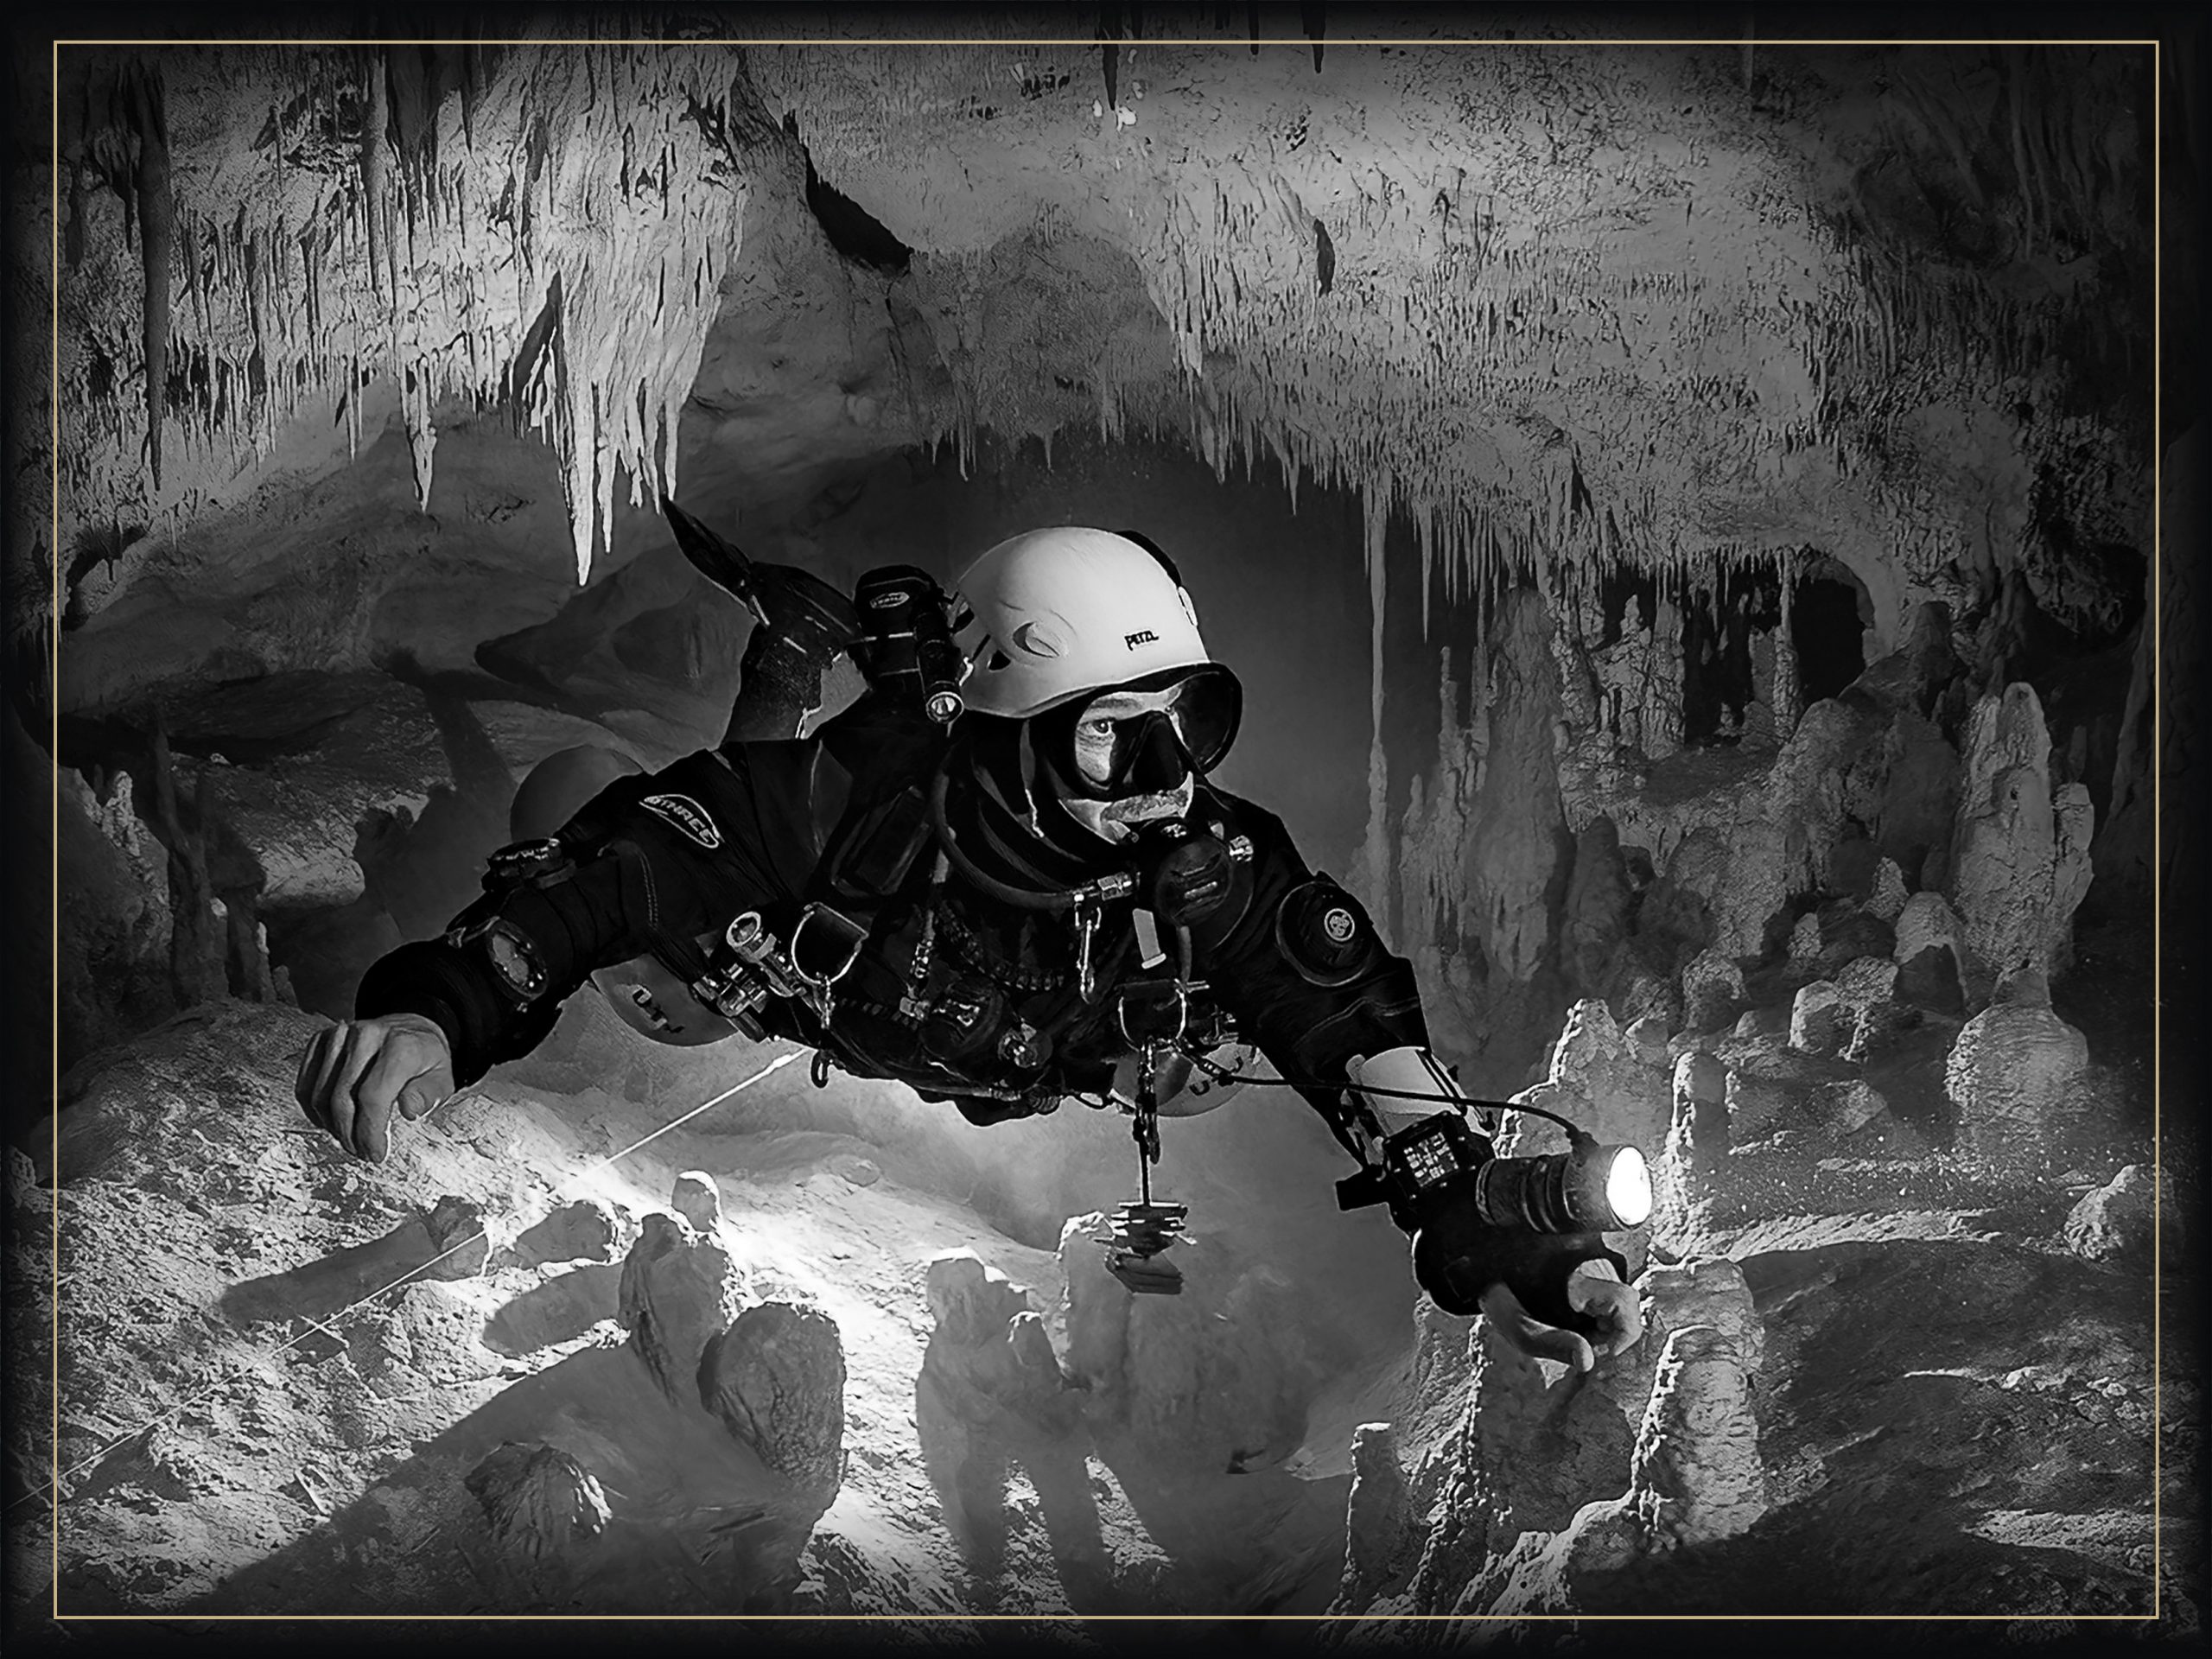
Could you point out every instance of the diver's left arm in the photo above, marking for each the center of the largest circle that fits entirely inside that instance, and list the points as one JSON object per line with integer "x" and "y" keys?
{"x": 1300, "y": 968}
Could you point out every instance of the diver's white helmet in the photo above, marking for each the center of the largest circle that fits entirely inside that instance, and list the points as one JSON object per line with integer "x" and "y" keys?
{"x": 1050, "y": 614}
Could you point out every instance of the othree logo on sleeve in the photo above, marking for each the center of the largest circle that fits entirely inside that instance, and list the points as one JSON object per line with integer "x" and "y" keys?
{"x": 686, "y": 815}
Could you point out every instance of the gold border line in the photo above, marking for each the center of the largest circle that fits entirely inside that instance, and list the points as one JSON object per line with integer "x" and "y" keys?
{"x": 53, "y": 718}
{"x": 1226, "y": 44}
{"x": 1100, "y": 1618}
{"x": 2158, "y": 690}
{"x": 2157, "y": 811}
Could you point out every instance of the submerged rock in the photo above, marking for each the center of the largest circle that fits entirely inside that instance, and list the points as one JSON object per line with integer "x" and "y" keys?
{"x": 2118, "y": 1221}
{"x": 1697, "y": 1475}
{"x": 2020, "y": 853}
{"x": 698, "y": 1199}
{"x": 1647, "y": 1039}
{"x": 542, "y": 1509}
{"x": 1713, "y": 991}
{"x": 777, "y": 1380}
{"x": 1867, "y": 986}
{"x": 2014, "y": 1075}
{"x": 1696, "y": 1151}
{"x": 1700, "y": 1290}
{"x": 1819, "y": 1021}
{"x": 679, "y": 1292}
{"x": 585, "y": 1229}
{"x": 1930, "y": 972}
{"x": 1851, "y": 1106}
{"x": 1886, "y": 902}
{"x": 1377, "y": 1514}
{"x": 991, "y": 1392}
{"x": 1695, "y": 1478}
{"x": 460, "y": 1245}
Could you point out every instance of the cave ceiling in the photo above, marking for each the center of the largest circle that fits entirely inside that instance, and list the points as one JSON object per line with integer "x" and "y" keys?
{"x": 1559, "y": 303}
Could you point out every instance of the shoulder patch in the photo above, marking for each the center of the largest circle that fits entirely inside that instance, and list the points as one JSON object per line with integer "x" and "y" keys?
{"x": 687, "y": 814}
{"x": 1324, "y": 932}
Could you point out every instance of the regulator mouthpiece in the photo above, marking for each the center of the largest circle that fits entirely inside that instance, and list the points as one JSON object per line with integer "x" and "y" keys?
{"x": 1589, "y": 1189}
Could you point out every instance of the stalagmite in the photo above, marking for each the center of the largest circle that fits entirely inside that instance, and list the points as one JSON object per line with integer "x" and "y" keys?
{"x": 679, "y": 1292}
{"x": 1697, "y": 1475}
{"x": 2019, "y": 855}
{"x": 1695, "y": 1155}
{"x": 2015, "y": 1076}
{"x": 1713, "y": 991}
{"x": 992, "y": 1390}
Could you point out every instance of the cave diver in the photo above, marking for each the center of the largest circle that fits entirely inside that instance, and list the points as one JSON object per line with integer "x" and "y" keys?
{"x": 1002, "y": 877}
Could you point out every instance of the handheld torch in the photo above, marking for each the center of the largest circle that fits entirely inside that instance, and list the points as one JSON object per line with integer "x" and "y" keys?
{"x": 1590, "y": 1188}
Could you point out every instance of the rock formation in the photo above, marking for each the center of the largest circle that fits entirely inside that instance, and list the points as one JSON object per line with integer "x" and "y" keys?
{"x": 2117, "y": 1221}
{"x": 679, "y": 1292}
{"x": 2014, "y": 1076}
{"x": 542, "y": 1510}
{"x": 2020, "y": 857}
{"x": 1694, "y": 1156}
{"x": 777, "y": 1380}
{"x": 1696, "y": 1479}
{"x": 582, "y": 1229}
{"x": 1929, "y": 972}
{"x": 698, "y": 1200}
{"x": 992, "y": 1394}
{"x": 1376, "y": 1523}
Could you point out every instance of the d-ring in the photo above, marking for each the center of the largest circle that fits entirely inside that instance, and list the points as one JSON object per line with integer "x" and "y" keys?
{"x": 854, "y": 937}
{"x": 1182, "y": 1019}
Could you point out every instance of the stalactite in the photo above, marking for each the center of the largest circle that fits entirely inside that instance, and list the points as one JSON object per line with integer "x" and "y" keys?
{"x": 156, "y": 234}
{"x": 1787, "y": 692}
{"x": 388, "y": 253}
{"x": 587, "y": 167}
{"x": 1374, "y": 524}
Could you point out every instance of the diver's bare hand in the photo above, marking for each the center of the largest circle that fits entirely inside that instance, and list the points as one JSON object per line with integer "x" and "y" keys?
{"x": 1594, "y": 1291}
{"x": 356, "y": 1072}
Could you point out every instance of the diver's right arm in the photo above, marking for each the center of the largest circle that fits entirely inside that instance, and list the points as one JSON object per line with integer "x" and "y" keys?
{"x": 435, "y": 1014}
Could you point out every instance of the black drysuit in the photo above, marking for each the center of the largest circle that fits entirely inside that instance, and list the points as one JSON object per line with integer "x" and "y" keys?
{"x": 662, "y": 861}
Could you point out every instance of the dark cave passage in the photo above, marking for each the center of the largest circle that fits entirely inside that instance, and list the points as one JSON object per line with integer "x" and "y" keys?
{"x": 1828, "y": 626}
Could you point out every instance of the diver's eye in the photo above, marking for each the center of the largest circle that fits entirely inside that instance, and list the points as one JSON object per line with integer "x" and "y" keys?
{"x": 1099, "y": 726}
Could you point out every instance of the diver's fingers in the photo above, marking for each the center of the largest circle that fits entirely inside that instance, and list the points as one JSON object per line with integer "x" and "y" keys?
{"x": 412, "y": 1072}
{"x": 424, "y": 1093}
{"x": 1525, "y": 1331}
{"x": 429, "y": 1065}
{"x": 397, "y": 1065}
{"x": 314, "y": 1061}
{"x": 363, "y": 1042}
{"x": 1614, "y": 1305}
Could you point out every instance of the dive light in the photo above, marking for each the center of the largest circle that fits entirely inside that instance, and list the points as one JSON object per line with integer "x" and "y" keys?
{"x": 906, "y": 641}
{"x": 1591, "y": 1187}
